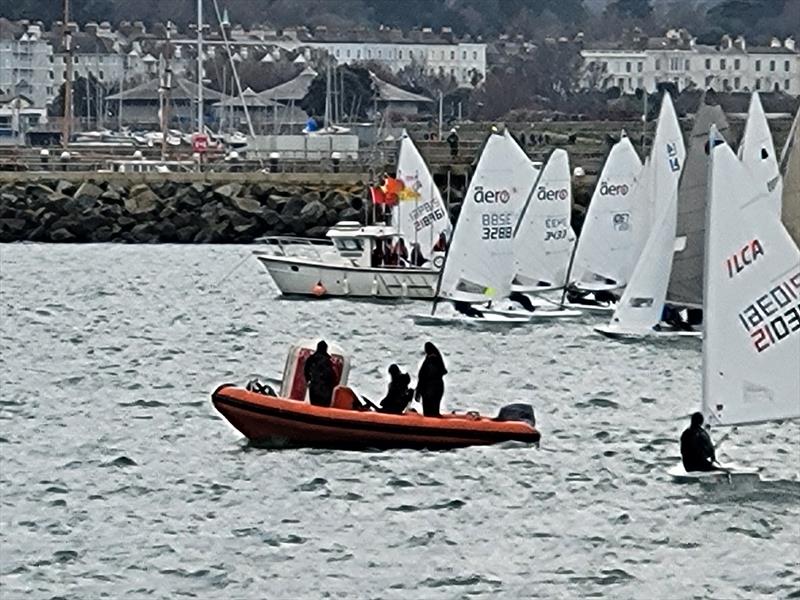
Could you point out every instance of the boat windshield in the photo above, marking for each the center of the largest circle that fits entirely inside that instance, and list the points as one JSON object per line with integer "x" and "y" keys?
{"x": 349, "y": 245}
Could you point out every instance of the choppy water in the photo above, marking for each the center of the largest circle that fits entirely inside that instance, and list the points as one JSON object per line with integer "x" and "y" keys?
{"x": 119, "y": 480}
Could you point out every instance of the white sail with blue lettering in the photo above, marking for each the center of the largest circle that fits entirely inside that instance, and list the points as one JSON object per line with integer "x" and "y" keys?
{"x": 642, "y": 303}
{"x": 480, "y": 260}
{"x": 757, "y": 152}
{"x": 544, "y": 239}
{"x": 420, "y": 214}
{"x": 604, "y": 258}
{"x": 751, "y": 344}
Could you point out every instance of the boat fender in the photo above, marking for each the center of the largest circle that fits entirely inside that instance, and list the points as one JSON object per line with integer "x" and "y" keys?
{"x": 254, "y": 385}
{"x": 404, "y": 289}
{"x": 318, "y": 289}
{"x": 346, "y": 285}
{"x": 374, "y": 289}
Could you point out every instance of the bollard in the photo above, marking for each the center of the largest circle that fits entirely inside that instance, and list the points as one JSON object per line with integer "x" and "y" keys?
{"x": 64, "y": 158}
{"x": 274, "y": 158}
{"x": 44, "y": 156}
{"x": 336, "y": 159}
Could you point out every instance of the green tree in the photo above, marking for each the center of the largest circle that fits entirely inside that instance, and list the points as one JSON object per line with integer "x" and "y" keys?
{"x": 354, "y": 90}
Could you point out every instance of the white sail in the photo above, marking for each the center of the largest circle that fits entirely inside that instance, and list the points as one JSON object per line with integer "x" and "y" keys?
{"x": 543, "y": 239}
{"x": 480, "y": 260}
{"x": 790, "y": 161}
{"x": 420, "y": 214}
{"x": 757, "y": 152}
{"x": 641, "y": 305}
{"x": 604, "y": 257}
{"x": 686, "y": 279}
{"x": 751, "y": 345}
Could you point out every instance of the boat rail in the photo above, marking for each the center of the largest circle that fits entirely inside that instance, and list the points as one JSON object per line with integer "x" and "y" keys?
{"x": 287, "y": 245}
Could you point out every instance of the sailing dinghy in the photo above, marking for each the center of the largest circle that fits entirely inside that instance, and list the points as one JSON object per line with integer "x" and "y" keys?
{"x": 604, "y": 258}
{"x": 543, "y": 242}
{"x": 640, "y": 308}
{"x": 751, "y": 346}
{"x": 478, "y": 267}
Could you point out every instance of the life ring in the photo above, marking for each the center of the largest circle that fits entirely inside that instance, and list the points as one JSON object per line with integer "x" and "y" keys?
{"x": 438, "y": 262}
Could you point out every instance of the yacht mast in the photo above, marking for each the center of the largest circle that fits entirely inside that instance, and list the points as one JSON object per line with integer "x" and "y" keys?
{"x": 199, "y": 66}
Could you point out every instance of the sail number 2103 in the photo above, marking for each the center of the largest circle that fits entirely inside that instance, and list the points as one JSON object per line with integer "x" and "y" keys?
{"x": 496, "y": 226}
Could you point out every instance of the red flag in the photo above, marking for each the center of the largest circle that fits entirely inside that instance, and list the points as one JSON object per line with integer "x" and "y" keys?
{"x": 377, "y": 195}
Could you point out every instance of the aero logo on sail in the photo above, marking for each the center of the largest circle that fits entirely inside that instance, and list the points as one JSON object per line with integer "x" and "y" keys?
{"x": 544, "y": 194}
{"x": 490, "y": 196}
{"x": 613, "y": 190}
{"x": 744, "y": 257}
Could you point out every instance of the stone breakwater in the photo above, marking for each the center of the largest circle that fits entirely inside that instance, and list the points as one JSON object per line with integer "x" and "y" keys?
{"x": 185, "y": 208}
{"x": 98, "y": 210}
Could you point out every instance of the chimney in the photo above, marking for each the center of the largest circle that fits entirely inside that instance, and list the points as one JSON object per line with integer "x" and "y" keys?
{"x": 740, "y": 43}
{"x": 90, "y": 28}
{"x": 726, "y": 43}
{"x": 775, "y": 43}
{"x": 789, "y": 44}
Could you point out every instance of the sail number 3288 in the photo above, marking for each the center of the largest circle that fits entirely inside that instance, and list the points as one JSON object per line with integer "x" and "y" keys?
{"x": 496, "y": 226}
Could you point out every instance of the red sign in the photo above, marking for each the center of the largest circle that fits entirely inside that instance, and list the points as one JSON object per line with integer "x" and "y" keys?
{"x": 199, "y": 142}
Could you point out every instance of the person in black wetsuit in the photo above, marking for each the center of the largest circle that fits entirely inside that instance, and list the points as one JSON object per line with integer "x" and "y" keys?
{"x": 399, "y": 395}
{"x": 522, "y": 300}
{"x": 697, "y": 451}
{"x": 465, "y": 308}
{"x": 320, "y": 376}
{"x": 671, "y": 315}
{"x": 430, "y": 382}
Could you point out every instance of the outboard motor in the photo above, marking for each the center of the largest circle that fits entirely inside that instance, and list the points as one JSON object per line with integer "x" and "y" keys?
{"x": 517, "y": 412}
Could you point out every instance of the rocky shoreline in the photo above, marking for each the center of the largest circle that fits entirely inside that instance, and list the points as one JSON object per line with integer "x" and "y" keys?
{"x": 168, "y": 211}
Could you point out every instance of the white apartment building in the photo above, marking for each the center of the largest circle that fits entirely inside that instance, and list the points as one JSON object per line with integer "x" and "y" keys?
{"x": 676, "y": 58}
{"x": 25, "y": 64}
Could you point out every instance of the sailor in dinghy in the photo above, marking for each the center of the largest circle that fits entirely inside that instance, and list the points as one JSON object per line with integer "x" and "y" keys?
{"x": 751, "y": 346}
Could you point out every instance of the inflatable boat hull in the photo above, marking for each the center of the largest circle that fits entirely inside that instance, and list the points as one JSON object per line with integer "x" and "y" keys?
{"x": 278, "y": 422}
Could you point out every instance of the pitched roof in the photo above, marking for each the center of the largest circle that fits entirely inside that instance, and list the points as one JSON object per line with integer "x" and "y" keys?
{"x": 391, "y": 93}
{"x": 183, "y": 89}
{"x": 294, "y": 89}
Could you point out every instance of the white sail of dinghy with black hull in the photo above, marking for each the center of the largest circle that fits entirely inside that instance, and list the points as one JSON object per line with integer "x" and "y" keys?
{"x": 479, "y": 264}
{"x": 757, "y": 152}
{"x": 751, "y": 346}
{"x": 420, "y": 214}
{"x": 604, "y": 258}
{"x": 640, "y": 308}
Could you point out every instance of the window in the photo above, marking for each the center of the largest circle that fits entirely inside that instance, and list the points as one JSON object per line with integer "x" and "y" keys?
{"x": 464, "y": 54}
{"x": 400, "y": 54}
{"x": 100, "y": 73}
{"x": 709, "y": 79}
{"x": 358, "y": 53}
{"x": 737, "y": 63}
{"x": 737, "y": 82}
{"x": 380, "y": 53}
{"x": 452, "y": 54}
{"x": 674, "y": 64}
{"x": 772, "y": 65}
{"x": 369, "y": 53}
{"x": 101, "y": 60}
{"x": 52, "y": 75}
{"x": 348, "y": 53}
{"x": 640, "y": 83}
{"x": 76, "y": 61}
{"x": 621, "y": 83}
{"x": 49, "y": 91}
{"x": 338, "y": 53}
{"x": 627, "y": 67}
{"x": 758, "y": 65}
{"x": 708, "y": 64}
{"x": 726, "y": 85}
{"x": 786, "y": 66}
{"x": 786, "y": 84}
{"x": 722, "y": 63}
{"x": 639, "y": 66}
{"x": 350, "y": 246}
{"x": 51, "y": 58}
{"x": 658, "y": 64}
{"x": 758, "y": 83}
{"x": 474, "y": 55}
{"x": 686, "y": 65}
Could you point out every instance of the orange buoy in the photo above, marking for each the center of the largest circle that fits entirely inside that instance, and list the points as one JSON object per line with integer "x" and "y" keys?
{"x": 318, "y": 289}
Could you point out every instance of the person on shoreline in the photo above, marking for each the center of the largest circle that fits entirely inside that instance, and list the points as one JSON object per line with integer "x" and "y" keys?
{"x": 430, "y": 382}
{"x": 697, "y": 450}
{"x": 320, "y": 376}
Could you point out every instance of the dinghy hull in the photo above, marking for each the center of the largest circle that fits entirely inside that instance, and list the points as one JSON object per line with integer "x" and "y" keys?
{"x": 279, "y": 422}
{"x": 613, "y": 332}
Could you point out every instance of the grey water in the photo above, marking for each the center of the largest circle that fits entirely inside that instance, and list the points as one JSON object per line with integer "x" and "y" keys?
{"x": 119, "y": 480}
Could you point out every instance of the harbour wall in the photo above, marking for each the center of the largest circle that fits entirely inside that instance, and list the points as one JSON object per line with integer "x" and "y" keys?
{"x": 188, "y": 207}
